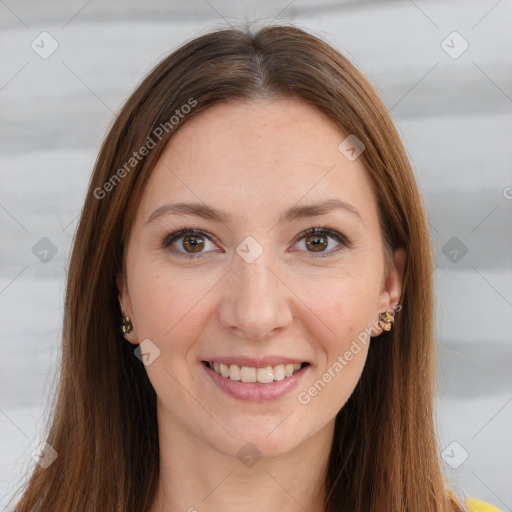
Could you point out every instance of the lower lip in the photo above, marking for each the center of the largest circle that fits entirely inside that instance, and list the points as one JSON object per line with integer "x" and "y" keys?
{"x": 254, "y": 391}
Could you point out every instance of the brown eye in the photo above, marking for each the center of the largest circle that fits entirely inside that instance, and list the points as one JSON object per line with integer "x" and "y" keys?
{"x": 188, "y": 243}
{"x": 317, "y": 240}
{"x": 192, "y": 243}
{"x": 317, "y": 243}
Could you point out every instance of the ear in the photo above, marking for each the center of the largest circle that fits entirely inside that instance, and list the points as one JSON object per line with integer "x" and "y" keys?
{"x": 391, "y": 292}
{"x": 395, "y": 277}
{"x": 125, "y": 306}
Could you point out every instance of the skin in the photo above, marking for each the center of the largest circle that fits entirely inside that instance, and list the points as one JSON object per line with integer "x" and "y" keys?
{"x": 253, "y": 160}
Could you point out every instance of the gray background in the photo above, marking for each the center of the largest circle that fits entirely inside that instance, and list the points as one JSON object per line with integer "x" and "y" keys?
{"x": 453, "y": 111}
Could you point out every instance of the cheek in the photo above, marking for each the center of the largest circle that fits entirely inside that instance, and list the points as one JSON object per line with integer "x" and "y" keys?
{"x": 345, "y": 311}
{"x": 345, "y": 307}
{"x": 169, "y": 312}
{"x": 345, "y": 304}
{"x": 164, "y": 303}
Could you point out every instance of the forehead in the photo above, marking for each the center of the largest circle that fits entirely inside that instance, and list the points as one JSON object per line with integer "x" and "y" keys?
{"x": 259, "y": 156}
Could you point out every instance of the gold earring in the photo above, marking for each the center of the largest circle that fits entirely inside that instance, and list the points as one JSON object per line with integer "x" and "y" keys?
{"x": 126, "y": 326}
{"x": 386, "y": 320}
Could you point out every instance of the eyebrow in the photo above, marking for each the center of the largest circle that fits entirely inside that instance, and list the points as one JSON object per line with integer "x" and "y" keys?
{"x": 296, "y": 212}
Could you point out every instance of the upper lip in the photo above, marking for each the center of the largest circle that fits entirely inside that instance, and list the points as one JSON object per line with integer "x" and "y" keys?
{"x": 259, "y": 362}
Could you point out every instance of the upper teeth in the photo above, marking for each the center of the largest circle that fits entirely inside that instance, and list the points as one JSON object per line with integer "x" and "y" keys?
{"x": 250, "y": 374}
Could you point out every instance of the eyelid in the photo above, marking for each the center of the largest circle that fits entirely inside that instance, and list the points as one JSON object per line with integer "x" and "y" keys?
{"x": 181, "y": 232}
{"x": 342, "y": 239}
{"x": 324, "y": 230}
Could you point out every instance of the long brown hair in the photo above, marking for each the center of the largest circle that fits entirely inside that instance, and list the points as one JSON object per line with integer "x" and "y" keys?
{"x": 384, "y": 454}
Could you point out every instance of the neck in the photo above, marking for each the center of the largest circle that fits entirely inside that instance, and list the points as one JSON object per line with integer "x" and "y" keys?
{"x": 198, "y": 477}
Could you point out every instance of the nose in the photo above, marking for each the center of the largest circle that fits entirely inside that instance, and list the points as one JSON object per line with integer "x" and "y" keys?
{"x": 256, "y": 302}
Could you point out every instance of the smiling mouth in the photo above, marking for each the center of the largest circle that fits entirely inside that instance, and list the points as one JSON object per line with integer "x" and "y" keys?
{"x": 248, "y": 374}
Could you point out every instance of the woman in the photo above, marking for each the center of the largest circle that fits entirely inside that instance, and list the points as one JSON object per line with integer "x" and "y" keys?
{"x": 254, "y": 225}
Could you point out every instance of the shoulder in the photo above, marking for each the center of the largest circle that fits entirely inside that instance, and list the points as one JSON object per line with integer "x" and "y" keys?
{"x": 479, "y": 506}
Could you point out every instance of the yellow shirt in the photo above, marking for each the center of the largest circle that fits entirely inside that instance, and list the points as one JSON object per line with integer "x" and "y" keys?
{"x": 479, "y": 506}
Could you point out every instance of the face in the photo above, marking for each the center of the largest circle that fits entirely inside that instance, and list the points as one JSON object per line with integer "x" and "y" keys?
{"x": 249, "y": 287}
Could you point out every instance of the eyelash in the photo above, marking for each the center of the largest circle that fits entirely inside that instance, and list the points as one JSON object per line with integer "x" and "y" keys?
{"x": 176, "y": 235}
